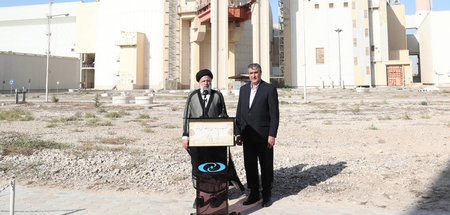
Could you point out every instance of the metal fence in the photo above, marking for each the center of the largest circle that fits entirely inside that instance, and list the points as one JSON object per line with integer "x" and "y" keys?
{"x": 12, "y": 185}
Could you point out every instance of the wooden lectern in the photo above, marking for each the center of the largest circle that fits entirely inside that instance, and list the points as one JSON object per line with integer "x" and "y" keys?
{"x": 209, "y": 139}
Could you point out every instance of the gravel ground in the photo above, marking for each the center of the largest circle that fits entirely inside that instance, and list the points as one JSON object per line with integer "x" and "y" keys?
{"x": 386, "y": 148}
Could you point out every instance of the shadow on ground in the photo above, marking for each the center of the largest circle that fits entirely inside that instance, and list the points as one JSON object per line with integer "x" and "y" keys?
{"x": 290, "y": 181}
{"x": 437, "y": 198}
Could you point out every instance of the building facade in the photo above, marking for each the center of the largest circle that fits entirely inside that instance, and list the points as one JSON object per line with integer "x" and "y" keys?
{"x": 140, "y": 44}
{"x": 430, "y": 43}
{"x": 120, "y": 43}
{"x": 345, "y": 42}
{"x": 24, "y": 44}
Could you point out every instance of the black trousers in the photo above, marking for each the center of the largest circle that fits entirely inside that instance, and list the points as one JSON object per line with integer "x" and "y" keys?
{"x": 254, "y": 151}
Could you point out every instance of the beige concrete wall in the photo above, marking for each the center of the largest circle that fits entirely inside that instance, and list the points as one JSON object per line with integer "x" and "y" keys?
{"x": 397, "y": 40}
{"x": 408, "y": 71}
{"x": 116, "y": 16}
{"x": 396, "y": 28}
{"x": 131, "y": 69}
{"x": 140, "y": 46}
{"x": 195, "y": 59}
{"x": 185, "y": 51}
{"x": 127, "y": 68}
{"x": 381, "y": 75}
{"x": 434, "y": 45}
{"x": 205, "y": 51}
{"x": 379, "y": 31}
{"x": 441, "y": 46}
{"x": 86, "y": 27}
{"x": 29, "y": 71}
{"x": 362, "y": 73}
{"x": 243, "y": 49}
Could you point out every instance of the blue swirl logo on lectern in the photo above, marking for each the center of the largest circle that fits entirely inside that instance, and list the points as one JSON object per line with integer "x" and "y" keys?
{"x": 211, "y": 167}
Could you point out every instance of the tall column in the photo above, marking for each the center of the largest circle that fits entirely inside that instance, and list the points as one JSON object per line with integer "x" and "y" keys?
{"x": 214, "y": 40}
{"x": 235, "y": 34}
{"x": 195, "y": 63}
{"x": 197, "y": 34}
{"x": 256, "y": 31}
{"x": 185, "y": 52}
{"x": 231, "y": 61}
{"x": 219, "y": 42}
{"x": 261, "y": 37}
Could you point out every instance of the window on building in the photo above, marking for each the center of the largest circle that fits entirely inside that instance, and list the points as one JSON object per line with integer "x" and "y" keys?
{"x": 353, "y": 5}
{"x": 356, "y": 61}
{"x": 366, "y": 32}
{"x": 367, "y": 70}
{"x": 320, "y": 56}
{"x": 345, "y": 4}
{"x": 367, "y": 51}
{"x": 354, "y": 23}
{"x": 365, "y": 14}
{"x": 355, "y": 42}
{"x": 316, "y": 6}
{"x": 331, "y": 5}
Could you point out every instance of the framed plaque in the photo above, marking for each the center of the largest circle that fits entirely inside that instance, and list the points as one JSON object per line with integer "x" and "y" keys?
{"x": 211, "y": 132}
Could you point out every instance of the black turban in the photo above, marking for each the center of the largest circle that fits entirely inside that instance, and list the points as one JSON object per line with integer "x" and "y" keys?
{"x": 202, "y": 73}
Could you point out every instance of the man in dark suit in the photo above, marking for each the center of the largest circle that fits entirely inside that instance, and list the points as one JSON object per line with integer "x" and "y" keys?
{"x": 257, "y": 119}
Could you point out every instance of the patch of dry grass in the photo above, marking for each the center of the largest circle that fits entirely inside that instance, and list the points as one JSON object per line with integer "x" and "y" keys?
{"x": 97, "y": 122}
{"x": 16, "y": 115}
{"x": 170, "y": 126}
{"x": 113, "y": 140}
{"x": 17, "y": 143}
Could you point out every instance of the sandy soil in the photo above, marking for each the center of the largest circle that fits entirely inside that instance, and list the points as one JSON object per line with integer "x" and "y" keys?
{"x": 386, "y": 148}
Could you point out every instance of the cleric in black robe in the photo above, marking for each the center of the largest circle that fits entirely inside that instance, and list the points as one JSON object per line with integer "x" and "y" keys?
{"x": 206, "y": 103}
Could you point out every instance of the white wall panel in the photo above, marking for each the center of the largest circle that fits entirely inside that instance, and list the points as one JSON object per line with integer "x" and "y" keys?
{"x": 141, "y": 16}
{"x": 32, "y": 73}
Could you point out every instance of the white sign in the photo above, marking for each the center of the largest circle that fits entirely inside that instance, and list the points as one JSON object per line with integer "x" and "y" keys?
{"x": 211, "y": 132}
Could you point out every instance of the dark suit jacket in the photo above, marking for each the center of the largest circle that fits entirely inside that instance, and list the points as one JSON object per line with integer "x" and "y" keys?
{"x": 262, "y": 118}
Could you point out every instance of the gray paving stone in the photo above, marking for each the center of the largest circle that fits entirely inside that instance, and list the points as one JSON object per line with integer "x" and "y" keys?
{"x": 37, "y": 201}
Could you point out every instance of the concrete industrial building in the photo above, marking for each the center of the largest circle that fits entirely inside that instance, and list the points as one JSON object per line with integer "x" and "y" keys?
{"x": 120, "y": 43}
{"x": 140, "y": 44}
{"x": 218, "y": 35}
{"x": 23, "y": 47}
{"x": 349, "y": 42}
{"x": 430, "y": 43}
{"x": 160, "y": 44}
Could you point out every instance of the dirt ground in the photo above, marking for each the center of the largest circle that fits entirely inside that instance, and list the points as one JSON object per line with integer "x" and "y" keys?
{"x": 385, "y": 148}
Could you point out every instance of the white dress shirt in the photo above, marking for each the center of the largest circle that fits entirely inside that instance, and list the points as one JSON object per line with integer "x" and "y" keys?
{"x": 252, "y": 94}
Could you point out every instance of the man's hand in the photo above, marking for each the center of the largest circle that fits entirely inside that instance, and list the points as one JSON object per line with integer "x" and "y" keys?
{"x": 270, "y": 142}
{"x": 238, "y": 140}
{"x": 185, "y": 144}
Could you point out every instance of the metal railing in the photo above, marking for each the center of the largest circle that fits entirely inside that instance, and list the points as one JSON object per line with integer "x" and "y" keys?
{"x": 12, "y": 196}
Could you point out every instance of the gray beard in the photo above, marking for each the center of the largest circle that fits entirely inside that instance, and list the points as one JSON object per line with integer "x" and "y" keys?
{"x": 202, "y": 89}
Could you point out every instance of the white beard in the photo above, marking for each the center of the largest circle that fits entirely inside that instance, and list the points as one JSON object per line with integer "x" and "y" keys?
{"x": 203, "y": 89}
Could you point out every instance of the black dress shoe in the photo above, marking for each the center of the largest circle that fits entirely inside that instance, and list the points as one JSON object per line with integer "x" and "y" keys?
{"x": 267, "y": 200}
{"x": 266, "y": 203}
{"x": 251, "y": 199}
